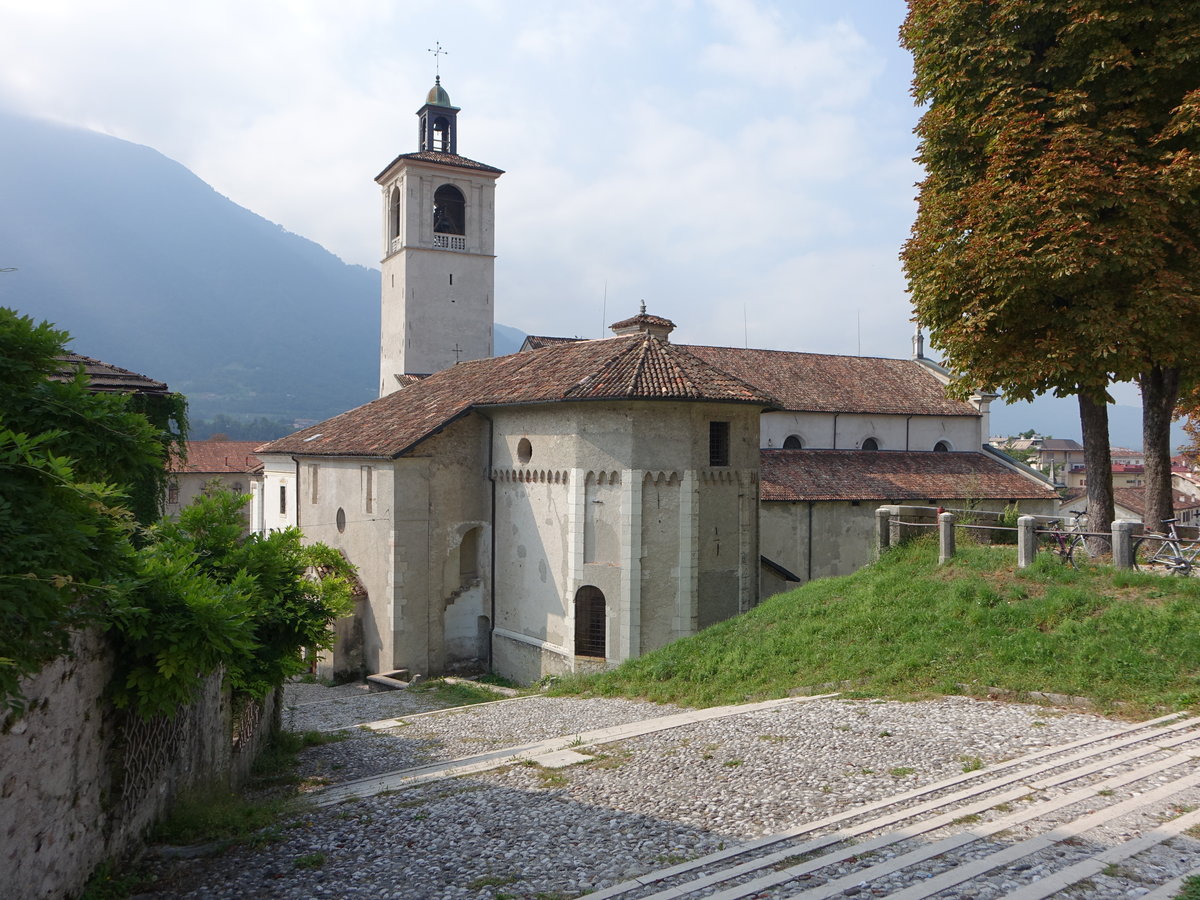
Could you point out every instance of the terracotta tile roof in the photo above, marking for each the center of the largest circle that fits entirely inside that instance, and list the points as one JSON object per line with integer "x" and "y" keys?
{"x": 217, "y": 457}
{"x": 441, "y": 159}
{"x": 632, "y": 367}
{"x": 105, "y": 377}
{"x": 794, "y": 475}
{"x": 643, "y": 318}
{"x": 538, "y": 341}
{"x": 1134, "y": 500}
{"x": 814, "y": 382}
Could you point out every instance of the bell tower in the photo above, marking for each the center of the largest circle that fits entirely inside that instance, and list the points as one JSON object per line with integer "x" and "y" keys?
{"x": 438, "y": 252}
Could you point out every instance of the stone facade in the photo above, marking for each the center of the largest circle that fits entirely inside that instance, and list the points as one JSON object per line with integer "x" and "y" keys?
{"x": 80, "y": 782}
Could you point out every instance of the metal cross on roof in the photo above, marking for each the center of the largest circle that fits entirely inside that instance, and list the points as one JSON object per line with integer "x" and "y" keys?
{"x": 437, "y": 68}
{"x": 457, "y": 351}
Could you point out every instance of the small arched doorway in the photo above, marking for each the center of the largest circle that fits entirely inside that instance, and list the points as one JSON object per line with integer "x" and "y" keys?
{"x": 591, "y": 622}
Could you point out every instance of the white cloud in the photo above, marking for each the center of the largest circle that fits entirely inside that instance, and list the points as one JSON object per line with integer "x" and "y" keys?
{"x": 706, "y": 156}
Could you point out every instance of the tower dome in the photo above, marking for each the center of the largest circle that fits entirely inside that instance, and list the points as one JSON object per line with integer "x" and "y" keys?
{"x": 437, "y": 95}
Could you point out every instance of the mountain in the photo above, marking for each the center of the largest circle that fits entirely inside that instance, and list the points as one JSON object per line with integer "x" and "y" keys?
{"x": 151, "y": 269}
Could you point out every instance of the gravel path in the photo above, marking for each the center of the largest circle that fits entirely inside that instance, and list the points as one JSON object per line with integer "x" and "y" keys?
{"x": 529, "y": 832}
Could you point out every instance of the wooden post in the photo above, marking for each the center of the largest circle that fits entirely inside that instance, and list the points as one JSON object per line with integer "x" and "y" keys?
{"x": 945, "y": 537}
{"x": 1026, "y": 541}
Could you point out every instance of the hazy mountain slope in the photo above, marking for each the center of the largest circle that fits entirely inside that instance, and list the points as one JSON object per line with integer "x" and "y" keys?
{"x": 151, "y": 269}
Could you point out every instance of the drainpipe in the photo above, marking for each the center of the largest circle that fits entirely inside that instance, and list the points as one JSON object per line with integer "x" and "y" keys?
{"x": 906, "y": 421}
{"x": 835, "y": 418}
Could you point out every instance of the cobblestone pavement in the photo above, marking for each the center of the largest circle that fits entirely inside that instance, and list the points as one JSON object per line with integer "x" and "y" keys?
{"x": 629, "y": 808}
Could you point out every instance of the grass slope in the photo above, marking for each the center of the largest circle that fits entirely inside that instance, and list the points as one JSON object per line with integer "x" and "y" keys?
{"x": 906, "y": 626}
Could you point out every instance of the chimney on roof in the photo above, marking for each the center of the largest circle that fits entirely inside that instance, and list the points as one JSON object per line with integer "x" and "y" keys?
{"x": 645, "y": 323}
{"x": 918, "y": 344}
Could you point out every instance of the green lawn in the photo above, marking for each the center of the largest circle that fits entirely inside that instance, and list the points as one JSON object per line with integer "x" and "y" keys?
{"x": 907, "y": 627}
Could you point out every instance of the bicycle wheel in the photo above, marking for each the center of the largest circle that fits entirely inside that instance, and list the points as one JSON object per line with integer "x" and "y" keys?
{"x": 1076, "y": 551}
{"x": 1146, "y": 551}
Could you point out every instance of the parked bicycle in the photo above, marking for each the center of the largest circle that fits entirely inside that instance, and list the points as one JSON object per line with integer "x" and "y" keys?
{"x": 1158, "y": 552}
{"x": 1067, "y": 541}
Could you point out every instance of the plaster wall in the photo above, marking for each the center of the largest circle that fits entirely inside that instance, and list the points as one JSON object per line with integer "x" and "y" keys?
{"x": 442, "y": 501}
{"x": 278, "y": 493}
{"x": 816, "y": 431}
{"x": 357, "y": 493}
{"x": 610, "y": 495}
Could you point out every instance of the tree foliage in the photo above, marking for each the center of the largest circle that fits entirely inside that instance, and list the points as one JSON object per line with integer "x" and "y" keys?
{"x": 1055, "y": 246}
{"x": 211, "y": 596}
{"x": 180, "y": 600}
{"x": 65, "y": 545}
{"x": 1056, "y": 241}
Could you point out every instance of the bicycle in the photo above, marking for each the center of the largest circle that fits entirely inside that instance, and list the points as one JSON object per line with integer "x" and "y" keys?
{"x": 1068, "y": 541}
{"x": 1155, "y": 551}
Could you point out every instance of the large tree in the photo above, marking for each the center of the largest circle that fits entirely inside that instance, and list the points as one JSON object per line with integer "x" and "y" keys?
{"x": 1056, "y": 242}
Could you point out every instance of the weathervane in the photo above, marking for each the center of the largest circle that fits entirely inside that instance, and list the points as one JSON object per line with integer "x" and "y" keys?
{"x": 437, "y": 63}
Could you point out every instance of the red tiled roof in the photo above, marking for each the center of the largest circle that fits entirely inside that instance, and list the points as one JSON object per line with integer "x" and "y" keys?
{"x": 442, "y": 159}
{"x": 538, "y": 341}
{"x": 813, "y": 382}
{"x": 793, "y": 475}
{"x": 1134, "y": 500}
{"x": 105, "y": 377}
{"x": 632, "y": 367}
{"x": 216, "y": 457}
{"x": 643, "y": 319}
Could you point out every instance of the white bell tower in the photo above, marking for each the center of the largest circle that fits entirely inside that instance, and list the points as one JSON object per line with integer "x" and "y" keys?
{"x": 438, "y": 252}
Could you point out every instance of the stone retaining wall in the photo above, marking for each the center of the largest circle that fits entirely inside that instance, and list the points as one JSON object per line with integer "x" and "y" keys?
{"x": 81, "y": 782}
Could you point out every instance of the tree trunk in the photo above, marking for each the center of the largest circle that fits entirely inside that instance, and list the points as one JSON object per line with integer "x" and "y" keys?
{"x": 1160, "y": 392}
{"x": 1097, "y": 458}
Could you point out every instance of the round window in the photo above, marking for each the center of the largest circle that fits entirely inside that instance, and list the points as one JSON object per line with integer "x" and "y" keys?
{"x": 524, "y": 450}
{"x": 341, "y": 520}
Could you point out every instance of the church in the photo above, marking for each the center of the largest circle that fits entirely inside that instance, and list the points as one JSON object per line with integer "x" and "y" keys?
{"x": 583, "y": 502}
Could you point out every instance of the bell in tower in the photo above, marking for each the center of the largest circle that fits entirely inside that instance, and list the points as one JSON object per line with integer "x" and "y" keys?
{"x": 439, "y": 121}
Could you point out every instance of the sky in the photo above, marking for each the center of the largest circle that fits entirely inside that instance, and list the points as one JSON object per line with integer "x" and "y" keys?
{"x": 742, "y": 166}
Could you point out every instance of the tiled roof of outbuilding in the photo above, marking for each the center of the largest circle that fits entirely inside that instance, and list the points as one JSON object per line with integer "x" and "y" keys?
{"x": 632, "y": 367}
{"x": 1134, "y": 500}
{"x": 442, "y": 159}
{"x": 814, "y": 382}
{"x": 215, "y": 457}
{"x": 794, "y": 475}
{"x": 105, "y": 377}
{"x": 538, "y": 341}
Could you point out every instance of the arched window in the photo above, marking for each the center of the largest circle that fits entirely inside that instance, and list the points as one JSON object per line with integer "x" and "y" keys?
{"x": 590, "y": 622}
{"x": 941, "y": 447}
{"x": 394, "y": 214}
{"x": 793, "y": 442}
{"x": 870, "y": 444}
{"x": 449, "y": 210}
